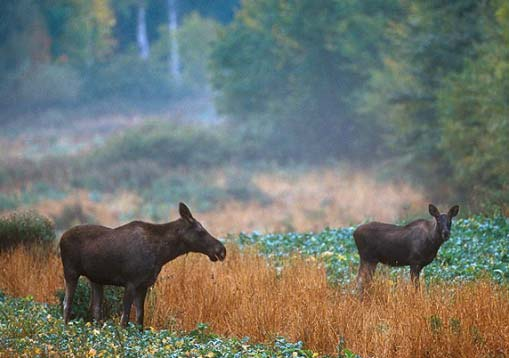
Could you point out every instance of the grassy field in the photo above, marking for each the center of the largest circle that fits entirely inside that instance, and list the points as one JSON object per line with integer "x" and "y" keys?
{"x": 296, "y": 286}
{"x": 286, "y": 287}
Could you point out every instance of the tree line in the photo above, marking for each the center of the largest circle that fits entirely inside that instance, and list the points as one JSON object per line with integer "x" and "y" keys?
{"x": 67, "y": 51}
{"x": 421, "y": 87}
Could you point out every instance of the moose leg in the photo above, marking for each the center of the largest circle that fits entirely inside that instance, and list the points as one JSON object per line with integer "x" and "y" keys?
{"x": 415, "y": 271}
{"x": 128, "y": 301}
{"x": 96, "y": 301}
{"x": 71, "y": 282}
{"x": 139, "y": 302}
{"x": 364, "y": 276}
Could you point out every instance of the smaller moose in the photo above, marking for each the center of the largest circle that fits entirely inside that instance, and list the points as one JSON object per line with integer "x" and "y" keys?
{"x": 131, "y": 256}
{"x": 415, "y": 244}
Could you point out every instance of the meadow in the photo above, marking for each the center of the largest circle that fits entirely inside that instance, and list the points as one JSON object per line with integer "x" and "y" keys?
{"x": 287, "y": 286}
{"x": 296, "y": 286}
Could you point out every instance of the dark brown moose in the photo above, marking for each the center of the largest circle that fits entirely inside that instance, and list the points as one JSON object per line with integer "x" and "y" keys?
{"x": 131, "y": 255}
{"x": 415, "y": 244}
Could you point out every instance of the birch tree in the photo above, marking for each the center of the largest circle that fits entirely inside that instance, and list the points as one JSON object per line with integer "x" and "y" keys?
{"x": 174, "y": 57}
{"x": 141, "y": 32}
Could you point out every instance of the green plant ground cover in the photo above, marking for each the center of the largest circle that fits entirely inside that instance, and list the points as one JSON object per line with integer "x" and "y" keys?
{"x": 478, "y": 247}
{"x": 31, "y": 329}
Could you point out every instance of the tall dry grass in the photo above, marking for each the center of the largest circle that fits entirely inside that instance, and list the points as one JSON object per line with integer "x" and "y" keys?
{"x": 247, "y": 296}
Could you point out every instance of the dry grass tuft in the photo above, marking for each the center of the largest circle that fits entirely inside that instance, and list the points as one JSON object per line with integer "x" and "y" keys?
{"x": 246, "y": 296}
{"x": 31, "y": 271}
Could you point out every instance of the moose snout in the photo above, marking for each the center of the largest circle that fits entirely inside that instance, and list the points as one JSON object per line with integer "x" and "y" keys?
{"x": 219, "y": 253}
{"x": 446, "y": 234}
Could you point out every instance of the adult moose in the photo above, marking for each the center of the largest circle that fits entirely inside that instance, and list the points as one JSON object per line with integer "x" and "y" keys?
{"x": 131, "y": 255}
{"x": 415, "y": 244}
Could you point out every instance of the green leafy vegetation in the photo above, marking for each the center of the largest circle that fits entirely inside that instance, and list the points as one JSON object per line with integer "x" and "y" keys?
{"x": 478, "y": 247}
{"x": 112, "y": 304}
{"x": 34, "y": 329}
{"x": 27, "y": 228}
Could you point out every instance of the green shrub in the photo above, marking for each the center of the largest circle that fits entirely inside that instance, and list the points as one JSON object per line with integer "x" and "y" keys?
{"x": 50, "y": 84}
{"x": 166, "y": 144}
{"x": 112, "y": 305}
{"x": 128, "y": 76}
{"x": 28, "y": 228}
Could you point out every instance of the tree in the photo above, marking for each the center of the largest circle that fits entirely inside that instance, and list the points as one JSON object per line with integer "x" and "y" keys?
{"x": 428, "y": 43}
{"x": 474, "y": 115}
{"x": 296, "y": 67}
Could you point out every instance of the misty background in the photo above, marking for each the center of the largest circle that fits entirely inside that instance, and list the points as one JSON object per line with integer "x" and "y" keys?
{"x": 262, "y": 115}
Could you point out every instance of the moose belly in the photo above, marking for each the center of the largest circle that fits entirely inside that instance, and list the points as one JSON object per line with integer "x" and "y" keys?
{"x": 392, "y": 261}
{"x": 120, "y": 270}
{"x": 395, "y": 256}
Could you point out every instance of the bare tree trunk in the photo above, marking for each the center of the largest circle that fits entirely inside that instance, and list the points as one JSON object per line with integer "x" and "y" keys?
{"x": 174, "y": 46}
{"x": 141, "y": 33}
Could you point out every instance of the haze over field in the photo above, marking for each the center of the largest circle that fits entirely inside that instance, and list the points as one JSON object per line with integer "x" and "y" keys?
{"x": 270, "y": 118}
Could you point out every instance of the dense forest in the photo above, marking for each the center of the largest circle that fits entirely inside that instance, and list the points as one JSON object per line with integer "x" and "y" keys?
{"x": 417, "y": 88}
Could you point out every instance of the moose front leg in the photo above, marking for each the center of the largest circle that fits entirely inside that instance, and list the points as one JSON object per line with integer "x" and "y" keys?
{"x": 139, "y": 304}
{"x": 71, "y": 282}
{"x": 96, "y": 300}
{"x": 415, "y": 271}
{"x": 128, "y": 302}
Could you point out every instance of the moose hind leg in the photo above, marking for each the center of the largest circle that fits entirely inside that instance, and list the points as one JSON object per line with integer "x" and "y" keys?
{"x": 71, "y": 282}
{"x": 364, "y": 276}
{"x": 128, "y": 302}
{"x": 96, "y": 301}
{"x": 139, "y": 304}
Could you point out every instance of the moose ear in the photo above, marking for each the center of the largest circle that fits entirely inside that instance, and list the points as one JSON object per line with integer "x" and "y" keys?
{"x": 185, "y": 213}
{"x": 453, "y": 211}
{"x": 433, "y": 211}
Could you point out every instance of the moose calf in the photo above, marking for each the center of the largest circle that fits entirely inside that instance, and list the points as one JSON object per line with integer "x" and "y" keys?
{"x": 415, "y": 244}
{"x": 131, "y": 255}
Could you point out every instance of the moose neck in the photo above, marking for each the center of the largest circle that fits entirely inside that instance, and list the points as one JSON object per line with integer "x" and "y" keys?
{"x": 435, "y": 236}
{"x": 171, "y": 245}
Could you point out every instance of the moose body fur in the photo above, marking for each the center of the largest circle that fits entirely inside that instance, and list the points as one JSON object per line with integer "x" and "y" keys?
{"x": 131, "y": 256}
{"x": 415, "y": 244}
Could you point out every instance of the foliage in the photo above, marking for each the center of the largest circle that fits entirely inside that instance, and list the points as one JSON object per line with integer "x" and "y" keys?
{"x": 29, "y": 196}
{"x": 310, "y": 65}
{"x": 430, "y": 42}
{"x": 28, "y": 228}
{"x": 129, "y": 77}
{"x": 29, "y": 328}
{"x": 474, "y": 114}
{"x": 166, "y": 144}
{"x": 112, "y": 304}
{"x": 478, "y": 246}
{"x": 196, "y": 35}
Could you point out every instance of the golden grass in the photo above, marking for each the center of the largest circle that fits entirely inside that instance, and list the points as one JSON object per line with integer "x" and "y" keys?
{"x": 246, "y": 296}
